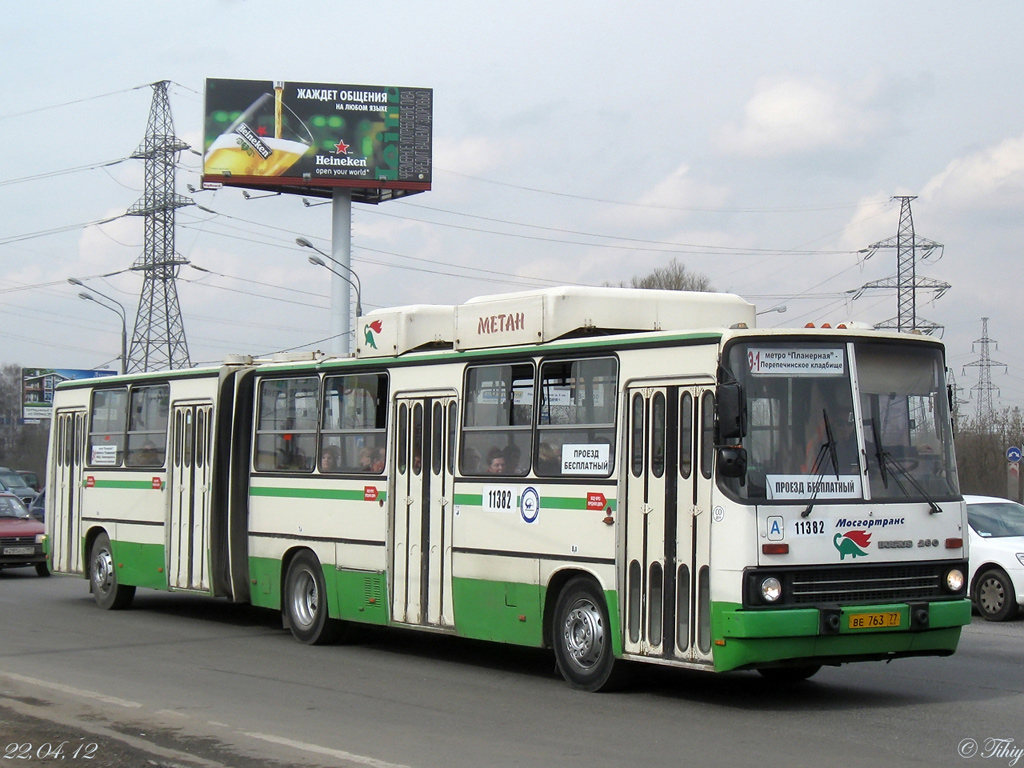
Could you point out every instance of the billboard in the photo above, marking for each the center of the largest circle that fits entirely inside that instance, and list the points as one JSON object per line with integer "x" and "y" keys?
{"x": 37, "y": 385}
{"x": 310, "y": 138}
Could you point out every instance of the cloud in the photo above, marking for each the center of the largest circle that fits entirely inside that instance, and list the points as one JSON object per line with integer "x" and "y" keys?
{"x": 992, "y": 178}
{"x": 804, "y": 115}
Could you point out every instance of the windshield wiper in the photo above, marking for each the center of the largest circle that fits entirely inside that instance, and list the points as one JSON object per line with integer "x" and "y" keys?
{"x": 884, "y": 457}
{"x": 829, "y": 447}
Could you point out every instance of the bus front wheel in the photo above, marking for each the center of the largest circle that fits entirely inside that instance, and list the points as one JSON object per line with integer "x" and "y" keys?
{"x": 107, "y": 591}
{"x": 581, "y": 634}
{"x": 305, "y": 602}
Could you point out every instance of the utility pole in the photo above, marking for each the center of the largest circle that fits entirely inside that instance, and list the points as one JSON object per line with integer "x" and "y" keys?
{"x": 908, "y": 248}
{"x": 158, "y": 340}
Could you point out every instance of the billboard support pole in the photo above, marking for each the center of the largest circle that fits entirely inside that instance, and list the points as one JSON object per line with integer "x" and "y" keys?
{"x": 341, "y": 252}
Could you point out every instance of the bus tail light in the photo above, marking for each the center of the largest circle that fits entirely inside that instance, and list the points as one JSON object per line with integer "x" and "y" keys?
{"x": 775, "y": 549}
{"x": 954, "y": 543}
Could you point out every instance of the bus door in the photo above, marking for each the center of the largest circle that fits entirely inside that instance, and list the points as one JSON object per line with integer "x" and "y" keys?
{"x": 64, "y": 496}
{"x": 188, "y": 489}
{"x": 420, "y": 509}
{"x": 667, "y": 524}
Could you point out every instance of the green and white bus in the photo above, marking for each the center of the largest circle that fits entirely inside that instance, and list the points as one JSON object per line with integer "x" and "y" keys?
{"x": 615, "y": 474}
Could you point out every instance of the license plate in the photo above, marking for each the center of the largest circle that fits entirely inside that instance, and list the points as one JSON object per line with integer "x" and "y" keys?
{"x": 874, "y": 620}
{"x": 19, "y": 550}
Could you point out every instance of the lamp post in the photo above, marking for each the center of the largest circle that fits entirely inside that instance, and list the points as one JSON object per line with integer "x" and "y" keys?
{"x": 341, "y": 314}
{"x": 119, "y": 312}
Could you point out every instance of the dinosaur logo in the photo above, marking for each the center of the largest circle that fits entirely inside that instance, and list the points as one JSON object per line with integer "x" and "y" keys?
{"x": 369, "y": 330}
{"x": 853, "y": 543}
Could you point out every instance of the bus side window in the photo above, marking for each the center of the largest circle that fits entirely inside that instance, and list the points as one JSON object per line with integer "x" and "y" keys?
{"x": 107, "y": 420}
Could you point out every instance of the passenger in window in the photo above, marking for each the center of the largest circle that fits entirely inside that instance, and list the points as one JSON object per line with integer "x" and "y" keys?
{"x": 379, "y": 457}
{"x": 366, "y": 460}
{"x": 512, "y": 456}
{"x": 547, "y": 460}
{"x": 329, "y": 459}
{"x": 496, "y": 462}
{"x": 147, "y": 456}
{"x": 470, "y": 461}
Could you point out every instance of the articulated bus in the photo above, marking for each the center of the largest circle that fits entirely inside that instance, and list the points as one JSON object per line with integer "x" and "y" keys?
{"x": 618, "y": 475}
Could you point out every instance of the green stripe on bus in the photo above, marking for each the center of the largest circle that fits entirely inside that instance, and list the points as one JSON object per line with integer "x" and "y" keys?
{"x": 546, "y": 502}
{"x": 139, "y": 485}
{"x": 337, "y": 494}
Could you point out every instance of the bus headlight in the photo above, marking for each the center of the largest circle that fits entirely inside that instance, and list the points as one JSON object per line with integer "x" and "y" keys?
{"x": 955, "y": 580}
{"x": 40, "y": 538}
{"x": 771, "y": 590}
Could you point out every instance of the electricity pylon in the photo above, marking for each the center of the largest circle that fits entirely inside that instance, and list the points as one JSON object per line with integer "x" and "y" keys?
{"x": 909, "y": 247}
{"x": 158, "y": 340}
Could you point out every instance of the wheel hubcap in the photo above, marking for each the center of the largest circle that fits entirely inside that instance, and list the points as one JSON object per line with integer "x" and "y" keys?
{"x": 583, "y": 634}
{"x": 991, "y": 596}
{"x": 102, "y": 571}
{"x": 305, "y": 600}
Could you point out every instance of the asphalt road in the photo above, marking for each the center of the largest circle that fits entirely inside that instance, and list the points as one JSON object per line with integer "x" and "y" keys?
{"x": 186, "y": 681}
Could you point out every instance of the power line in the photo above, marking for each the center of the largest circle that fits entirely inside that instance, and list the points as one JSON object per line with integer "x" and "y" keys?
{"x": 64, "y": 172}
{"x": 69, "y": 103}
{"x": 650, "y": 205}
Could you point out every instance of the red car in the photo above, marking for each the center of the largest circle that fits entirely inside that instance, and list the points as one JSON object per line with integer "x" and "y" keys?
{"x": 22, "y": 537}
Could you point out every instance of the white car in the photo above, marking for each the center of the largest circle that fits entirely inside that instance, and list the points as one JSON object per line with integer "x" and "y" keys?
{"x": 996, "y": 556}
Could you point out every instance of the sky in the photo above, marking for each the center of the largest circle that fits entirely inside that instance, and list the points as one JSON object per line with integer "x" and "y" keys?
{"x": 761, "y": 144}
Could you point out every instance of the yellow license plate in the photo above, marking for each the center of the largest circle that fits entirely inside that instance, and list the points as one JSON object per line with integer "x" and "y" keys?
{"x": 874, "y": 620}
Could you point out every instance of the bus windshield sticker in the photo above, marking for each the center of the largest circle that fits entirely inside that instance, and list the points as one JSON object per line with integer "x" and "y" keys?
{"x": 796, "y": 361}
{"x": 796, "y": 487}
{"x": 104, "y": 456}
{"x": 585, "y": 459}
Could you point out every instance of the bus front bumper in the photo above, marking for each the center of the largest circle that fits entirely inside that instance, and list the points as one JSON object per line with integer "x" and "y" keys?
{"x": 747, "y": 639}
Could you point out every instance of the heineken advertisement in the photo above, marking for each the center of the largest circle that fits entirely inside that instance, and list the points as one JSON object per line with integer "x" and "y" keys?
{"x": 308, "y": 138}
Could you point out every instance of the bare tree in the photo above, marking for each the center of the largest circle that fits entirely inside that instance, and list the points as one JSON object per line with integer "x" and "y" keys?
{"x": 22, "y": 446}
{"x": 673, "y": 277}
{"x": 981, "y": 445}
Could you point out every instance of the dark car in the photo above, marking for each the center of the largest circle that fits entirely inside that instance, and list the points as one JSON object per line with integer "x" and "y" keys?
{"x": 38, "y": 506}
{"x": 16, "y": 484}
{"x": 22, "y": 537}
{"x": 31, "y": 479}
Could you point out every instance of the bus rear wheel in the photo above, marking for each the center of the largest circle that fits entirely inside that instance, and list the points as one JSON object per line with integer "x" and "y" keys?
{"x": 305, "y": 602}
{"x": 107, "y": 591}
{"x": 581, "y": 633}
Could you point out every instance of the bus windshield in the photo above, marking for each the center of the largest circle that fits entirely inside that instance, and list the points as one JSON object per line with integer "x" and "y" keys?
{"x": 837, "y": 420}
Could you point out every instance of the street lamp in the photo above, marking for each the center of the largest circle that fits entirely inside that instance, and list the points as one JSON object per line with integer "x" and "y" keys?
{"x": 339, "y": 301}
{"x": 119, "y": 312}
{"x": 359, "y": 300}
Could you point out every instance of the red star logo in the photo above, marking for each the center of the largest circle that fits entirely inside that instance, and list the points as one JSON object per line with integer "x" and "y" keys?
{"x": 262, "y": 131}
{"x": 341, "y": 148}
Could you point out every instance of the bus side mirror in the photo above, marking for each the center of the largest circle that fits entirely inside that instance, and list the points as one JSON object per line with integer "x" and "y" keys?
{"x": 732, "y": 413}
{"x": 732, "y": 461}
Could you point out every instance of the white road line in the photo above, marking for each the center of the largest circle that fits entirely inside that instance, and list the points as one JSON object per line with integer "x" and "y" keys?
{"x": 73, "y": 691}
{"x": 338, "y": 753}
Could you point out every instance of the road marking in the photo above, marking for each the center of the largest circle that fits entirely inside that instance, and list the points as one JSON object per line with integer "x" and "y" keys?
{"x": 338, "y": 753}
{"x": 73, "y": 691}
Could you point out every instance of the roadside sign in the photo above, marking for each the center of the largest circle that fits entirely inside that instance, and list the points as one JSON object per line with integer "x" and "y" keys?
{"x": 1013, "y": 454}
